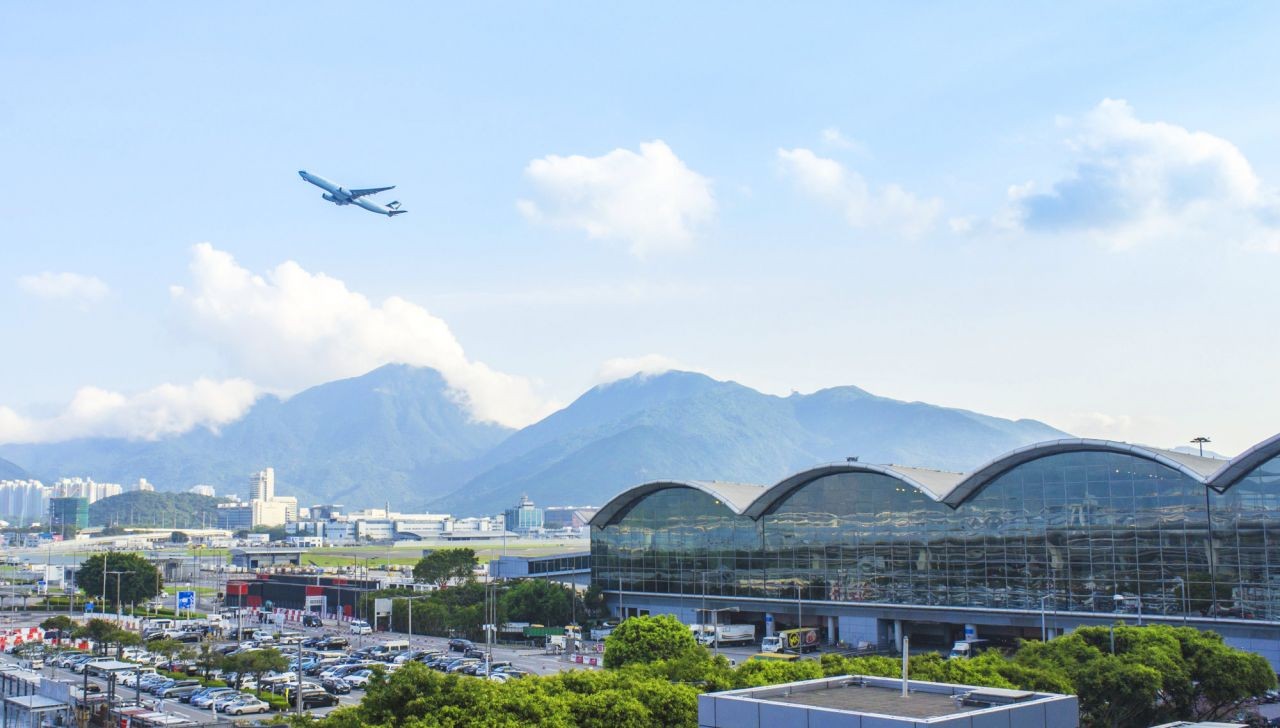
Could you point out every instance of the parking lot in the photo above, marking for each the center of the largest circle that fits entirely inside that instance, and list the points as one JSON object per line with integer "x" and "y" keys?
{"x": 337, "y": 662}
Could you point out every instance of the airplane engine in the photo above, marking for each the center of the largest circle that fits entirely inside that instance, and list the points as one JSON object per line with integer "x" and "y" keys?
{"x": 329, "y": 197}
{"x": 344, "y": 192}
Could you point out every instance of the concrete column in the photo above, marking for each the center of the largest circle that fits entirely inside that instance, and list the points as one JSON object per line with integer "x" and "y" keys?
{"x": 831, "y": 630}
{"x": 897, "y": 634}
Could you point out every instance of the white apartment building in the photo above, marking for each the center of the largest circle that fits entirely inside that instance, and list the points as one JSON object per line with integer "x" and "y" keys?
{"x": 24, "y": 501}
{"x": 84, "y": 488}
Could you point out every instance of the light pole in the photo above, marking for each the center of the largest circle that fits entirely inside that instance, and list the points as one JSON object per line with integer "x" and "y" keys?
{"x": 118, "y": 606}
{"x": 1044, "y": 626}
{"x": 410, "y": 601}
{"x": 715, "y": 626}
{"x": 1208, "y": 522}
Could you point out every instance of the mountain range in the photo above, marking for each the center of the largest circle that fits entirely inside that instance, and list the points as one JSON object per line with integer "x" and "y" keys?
{"x": 9, "y": 471}
{"x": 399, "y": 435}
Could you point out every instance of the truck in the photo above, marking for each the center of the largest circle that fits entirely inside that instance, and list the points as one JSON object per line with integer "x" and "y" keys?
{"x": 801, "y": 639}
{"x": 726, "y": 634}
{"x": 964, "y": 649}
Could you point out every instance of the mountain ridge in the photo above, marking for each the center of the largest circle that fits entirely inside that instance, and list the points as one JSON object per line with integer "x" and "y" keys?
{"x": 399, "y": 434}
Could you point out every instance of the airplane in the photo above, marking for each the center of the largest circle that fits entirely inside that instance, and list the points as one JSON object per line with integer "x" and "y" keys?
{"x": 342, "y": 196}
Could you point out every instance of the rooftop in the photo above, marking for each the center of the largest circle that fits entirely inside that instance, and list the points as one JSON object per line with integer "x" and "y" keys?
{"x": 863, "y": 698}
{"x": 881, "y": 699}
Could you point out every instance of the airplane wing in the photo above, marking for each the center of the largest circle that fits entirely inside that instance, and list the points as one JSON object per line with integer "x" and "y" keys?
{"x": 370, "y": 191}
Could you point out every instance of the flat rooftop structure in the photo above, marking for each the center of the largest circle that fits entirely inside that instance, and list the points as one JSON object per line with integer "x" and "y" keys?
{"x": 859, "y": 701}
{"x": 255, "y": 558}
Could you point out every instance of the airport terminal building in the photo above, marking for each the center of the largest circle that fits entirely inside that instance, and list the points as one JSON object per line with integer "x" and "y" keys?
{"x": 1050, "y": 536}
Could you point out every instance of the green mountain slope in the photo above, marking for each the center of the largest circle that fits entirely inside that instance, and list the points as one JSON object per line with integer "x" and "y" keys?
{"x": 161, "y": 510}
{"x": 681, "y": 425}
{"x": 393, "y": 434}
{"x": 397, "y": 436}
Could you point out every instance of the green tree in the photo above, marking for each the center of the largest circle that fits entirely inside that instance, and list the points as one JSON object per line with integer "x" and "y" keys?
{"x": 754, "y": 673}
{"x": 207, "y": 660}
{"x": 98, "y": 631}
{"x": 611, "y": 709}
{"x": 123, "y": 638}
{"x": 61, "y": 622}
{"x": 540, "y": 602}
{"x": 172, "y": 649}
{"x": 647, "y": 639}
{"x": 139, "y": 581}
{"x": 254, "y": 664}
{"x": 442, "y": 566}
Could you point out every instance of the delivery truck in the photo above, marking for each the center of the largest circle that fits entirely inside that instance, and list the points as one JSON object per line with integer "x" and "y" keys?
{"x": 727, "y": 634}
{"x": 802, "y": 639}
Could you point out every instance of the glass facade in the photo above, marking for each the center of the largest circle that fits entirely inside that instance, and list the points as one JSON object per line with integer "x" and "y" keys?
{"x": 1246, "y": 529}
{"x": 1079, "y": 528}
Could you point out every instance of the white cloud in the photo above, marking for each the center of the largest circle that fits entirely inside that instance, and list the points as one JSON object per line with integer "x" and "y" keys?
{"x": 647, "y": 365}
{"x": 86, "y": 289}
{"x": 292, "y": 328}
{"x": 889, "y": 208}
{"x": 1134, "y": 181}
{"x": 168, "y": 409}
{"x": 833, "y": 137}
{"x": 650, "y": 200}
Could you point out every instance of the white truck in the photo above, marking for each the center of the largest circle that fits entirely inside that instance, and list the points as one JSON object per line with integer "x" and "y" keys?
{"x": 726, "y": 634}
{"x": 965, "y": 649}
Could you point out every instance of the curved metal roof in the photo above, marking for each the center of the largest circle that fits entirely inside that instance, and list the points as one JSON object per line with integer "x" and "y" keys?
{"x": 735, "y": 496}
{"x": 1239, "y": 466}
{"x": 1194, "y": 467}
{"x": 953, "y": 489}
{"x": 934, "y": 484}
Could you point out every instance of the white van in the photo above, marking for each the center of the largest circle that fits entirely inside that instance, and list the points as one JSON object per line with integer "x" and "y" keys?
{"x": 359, "y": 626}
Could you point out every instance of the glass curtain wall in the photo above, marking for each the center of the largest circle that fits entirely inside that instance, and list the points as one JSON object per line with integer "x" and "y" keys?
{"x": 1246, "y": 527}
{"x": 1076, "y": 528}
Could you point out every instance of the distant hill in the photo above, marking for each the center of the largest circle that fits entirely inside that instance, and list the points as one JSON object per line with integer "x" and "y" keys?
{"x": 682, "y": 425}
{"x": 396, "y": 435}
{"x": 9, "y": 471}
{"x": 153, "y": 508}
{"x": 393, "y": 434}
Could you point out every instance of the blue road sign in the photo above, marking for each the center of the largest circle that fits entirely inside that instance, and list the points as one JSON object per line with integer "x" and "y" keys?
{"x": 186, "y": 600}
{"x": 88, "y": 607}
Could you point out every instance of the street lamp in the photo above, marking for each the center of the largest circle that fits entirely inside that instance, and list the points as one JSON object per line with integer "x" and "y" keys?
{"x": 715, "y": 624}
{"x": 410, "y": 600}
{"x": 118, "y": 606}
{"x": 1044, "y": 627}
{"x": 1208, "y": 521}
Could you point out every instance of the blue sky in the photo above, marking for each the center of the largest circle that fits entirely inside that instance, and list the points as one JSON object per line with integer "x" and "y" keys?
{"x": 1028, "y": 210}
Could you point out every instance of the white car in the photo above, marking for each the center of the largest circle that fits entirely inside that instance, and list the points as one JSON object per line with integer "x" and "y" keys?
{"x": 247, "y": 705}
{"x": 359, "y": 679}
{"x": 360, "y": 626}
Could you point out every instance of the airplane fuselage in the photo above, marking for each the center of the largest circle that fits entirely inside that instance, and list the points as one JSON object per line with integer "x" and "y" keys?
{"x": 339, "y": 195}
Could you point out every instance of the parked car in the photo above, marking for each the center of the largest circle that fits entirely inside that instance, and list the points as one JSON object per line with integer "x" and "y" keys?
{"x": 177, "y": 691}
{"x": 206, "y": 699}
{"x": 311, "y": 620}
{"x": 459, "y": 664}
{"x": 321, "y": 699}
{"x": 358, "y": 679}
{"x": 246, "y": 705}
{"x": 336, "y": 685}
{"x": 359, "y": 626}
{"x": 474, "y": 652}
{"x": 460, "y": 645}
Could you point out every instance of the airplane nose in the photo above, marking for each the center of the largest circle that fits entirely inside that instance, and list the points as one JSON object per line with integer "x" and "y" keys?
{"x": 302, "y": 173}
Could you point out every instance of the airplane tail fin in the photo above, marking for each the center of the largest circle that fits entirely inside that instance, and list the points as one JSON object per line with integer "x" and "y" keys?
{"x": 394, "y": 204}
{"x": 393, "y": 213}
